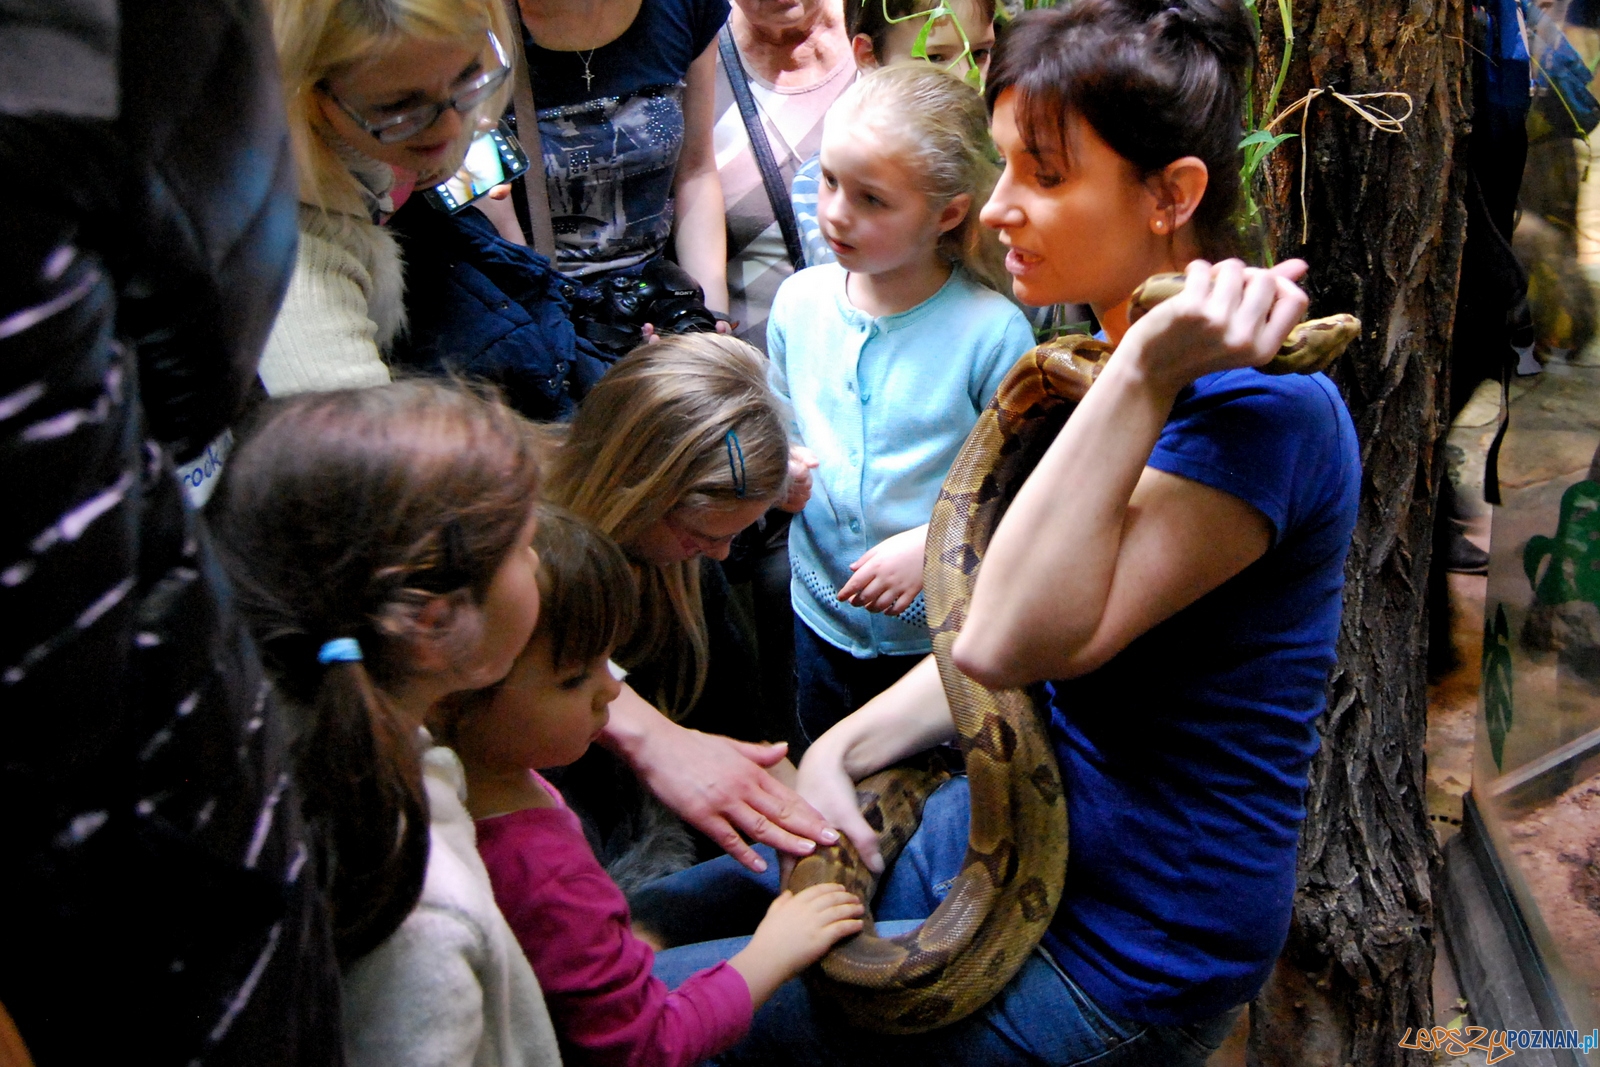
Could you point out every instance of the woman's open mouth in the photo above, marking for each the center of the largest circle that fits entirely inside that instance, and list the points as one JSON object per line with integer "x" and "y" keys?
{"x": 1019, "y": 262}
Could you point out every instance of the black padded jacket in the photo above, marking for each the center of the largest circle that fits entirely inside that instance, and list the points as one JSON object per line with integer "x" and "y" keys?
{"x": 160, "y": 895}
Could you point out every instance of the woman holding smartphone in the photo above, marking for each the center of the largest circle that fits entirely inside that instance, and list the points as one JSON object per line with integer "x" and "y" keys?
{"x": 384, "y": 96}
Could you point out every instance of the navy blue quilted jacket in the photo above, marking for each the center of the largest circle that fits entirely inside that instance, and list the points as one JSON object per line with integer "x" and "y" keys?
{"x": 480, "y": 306}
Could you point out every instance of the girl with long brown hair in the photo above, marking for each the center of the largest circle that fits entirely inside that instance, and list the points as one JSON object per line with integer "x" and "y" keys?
{"x": 379, "y": 541}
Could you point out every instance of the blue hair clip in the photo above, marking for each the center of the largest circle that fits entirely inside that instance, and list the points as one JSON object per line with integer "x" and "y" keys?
{"x": 340, "y": 650}
{"x": 731, "y": 443}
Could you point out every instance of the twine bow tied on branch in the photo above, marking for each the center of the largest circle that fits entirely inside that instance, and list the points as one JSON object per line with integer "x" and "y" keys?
{"x": 1378, "y": 117}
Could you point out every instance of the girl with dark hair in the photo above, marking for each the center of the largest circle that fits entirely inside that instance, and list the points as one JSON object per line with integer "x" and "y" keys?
{"x": 570, "y": 917}
{"x": 379, "y": 541}
{"x": 1172, "y": 571}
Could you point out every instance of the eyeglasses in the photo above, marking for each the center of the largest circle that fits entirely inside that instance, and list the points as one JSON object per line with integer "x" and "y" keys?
{"x": 692, "y": 538}
{"x": 412, "y": 121}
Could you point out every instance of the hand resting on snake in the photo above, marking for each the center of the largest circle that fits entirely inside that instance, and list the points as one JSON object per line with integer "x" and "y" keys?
{"x": 1011, "y": 881}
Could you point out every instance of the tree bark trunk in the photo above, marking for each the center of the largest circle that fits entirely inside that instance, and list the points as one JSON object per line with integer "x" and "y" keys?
{"x": 1386, "y": 225}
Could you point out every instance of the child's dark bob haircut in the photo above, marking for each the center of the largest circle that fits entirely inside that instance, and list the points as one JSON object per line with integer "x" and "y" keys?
{"x": 588, "y": 606}
{"x": 1156, "y": 79}
{"x": 588, "y": 596}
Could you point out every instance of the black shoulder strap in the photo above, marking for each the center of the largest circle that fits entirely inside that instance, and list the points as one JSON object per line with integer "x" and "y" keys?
{"x": 532, "y": 199}
{"x": 777, "y": 191}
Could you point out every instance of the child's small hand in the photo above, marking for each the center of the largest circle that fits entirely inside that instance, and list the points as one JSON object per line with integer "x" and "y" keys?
{"x": 801, "y": 462}
{"x": 798, "y": 930}
{"x": 888, "y": 576}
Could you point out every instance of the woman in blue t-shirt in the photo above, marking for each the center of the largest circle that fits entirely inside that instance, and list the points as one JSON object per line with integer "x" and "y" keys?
{"x": 1172, "y": 569}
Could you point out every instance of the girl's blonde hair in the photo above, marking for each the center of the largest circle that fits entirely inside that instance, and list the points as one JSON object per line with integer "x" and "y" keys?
{"x": 687, "y": 422}
{"x": 315, "y": 38}
{"x": 943, "y": 128}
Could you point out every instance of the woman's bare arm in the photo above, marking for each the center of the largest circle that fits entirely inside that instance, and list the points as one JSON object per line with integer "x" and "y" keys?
{"x": 910, "y": 716}
{"x": 1097, "y": 549}
{"x": 701, "y": 227}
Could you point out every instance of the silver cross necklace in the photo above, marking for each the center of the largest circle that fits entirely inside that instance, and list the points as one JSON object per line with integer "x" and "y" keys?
{"x": 588, "y": 79}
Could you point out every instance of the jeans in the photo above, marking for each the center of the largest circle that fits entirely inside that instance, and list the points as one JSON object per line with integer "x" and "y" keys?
{"x": 830, "y": 683}
{"x": 1040, "y": 1017}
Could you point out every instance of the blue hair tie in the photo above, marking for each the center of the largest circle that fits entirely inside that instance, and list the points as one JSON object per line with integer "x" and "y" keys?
{"x": 340, "y": 650}
{"x": 731, "y": 442}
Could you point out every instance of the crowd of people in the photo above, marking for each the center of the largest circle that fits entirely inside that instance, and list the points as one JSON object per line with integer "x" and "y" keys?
{"x": 458, "y": 699}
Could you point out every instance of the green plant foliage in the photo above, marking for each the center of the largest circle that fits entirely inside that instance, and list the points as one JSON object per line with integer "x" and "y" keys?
{"x": 919, "y": 47}
{"x": 1259, "y": 142}
{"x": 1497, "y": 691}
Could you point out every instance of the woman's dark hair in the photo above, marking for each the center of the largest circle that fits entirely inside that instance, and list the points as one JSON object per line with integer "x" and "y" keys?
{"x": 341, "y": 516}
{"x": 867, "y": 16}
{"x": 588, "y": 596}
{"x": 1156, "y": 79}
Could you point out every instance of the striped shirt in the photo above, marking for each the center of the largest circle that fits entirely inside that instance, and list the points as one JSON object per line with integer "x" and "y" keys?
{"x": 792, "y": 119}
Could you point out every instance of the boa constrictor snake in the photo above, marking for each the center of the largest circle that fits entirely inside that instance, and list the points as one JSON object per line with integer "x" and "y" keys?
{"x": 1015, "y": 867}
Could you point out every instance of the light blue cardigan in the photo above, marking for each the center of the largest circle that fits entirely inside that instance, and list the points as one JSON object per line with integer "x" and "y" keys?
{"x": 885, "y": 403}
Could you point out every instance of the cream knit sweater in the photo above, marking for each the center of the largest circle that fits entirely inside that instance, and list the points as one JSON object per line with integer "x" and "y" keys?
{"x": 343, "y": 309}
{"x": 451, "y": 987}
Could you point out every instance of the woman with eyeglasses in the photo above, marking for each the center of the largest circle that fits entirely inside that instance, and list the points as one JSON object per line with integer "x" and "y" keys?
{"x": 679, "y": 447}
{"x": 383, "y": 96}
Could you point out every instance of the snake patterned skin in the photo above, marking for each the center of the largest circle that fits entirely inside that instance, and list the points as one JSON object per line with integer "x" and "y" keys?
{"x": 1015, "y": 867}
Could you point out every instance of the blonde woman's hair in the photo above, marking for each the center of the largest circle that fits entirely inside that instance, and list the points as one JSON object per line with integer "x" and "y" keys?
{"x": 316, "y": 38}
{"x": 942, "y": 126}
{"x": 652, "y": 436}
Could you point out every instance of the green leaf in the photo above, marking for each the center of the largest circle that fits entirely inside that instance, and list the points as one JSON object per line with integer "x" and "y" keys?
{"x": 1497, "y": 682}
{"x": 1266, "y": 137}
{"x": 919, "y": 47}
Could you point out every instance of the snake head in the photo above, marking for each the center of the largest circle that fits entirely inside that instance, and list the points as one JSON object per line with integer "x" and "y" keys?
{"x": 1313, "y": 346}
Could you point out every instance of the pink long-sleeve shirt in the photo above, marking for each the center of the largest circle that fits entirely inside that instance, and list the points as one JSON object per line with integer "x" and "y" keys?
{"x": 572, "y": 921}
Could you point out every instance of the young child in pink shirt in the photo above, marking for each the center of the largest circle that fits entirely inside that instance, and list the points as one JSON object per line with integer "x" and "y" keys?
{"x": 570, "y": 918}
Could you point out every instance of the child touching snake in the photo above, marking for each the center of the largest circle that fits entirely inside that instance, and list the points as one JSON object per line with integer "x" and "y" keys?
{"x": 888, "y": 357}
{"x": 378, "y": 540}
{"x": 570, "y": 918}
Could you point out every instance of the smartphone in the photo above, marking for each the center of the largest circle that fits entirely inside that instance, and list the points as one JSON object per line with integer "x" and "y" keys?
{"x": 493, "y": 158}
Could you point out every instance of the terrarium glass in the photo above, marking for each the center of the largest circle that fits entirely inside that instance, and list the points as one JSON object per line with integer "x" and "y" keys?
{"x": 1536, "y": 778}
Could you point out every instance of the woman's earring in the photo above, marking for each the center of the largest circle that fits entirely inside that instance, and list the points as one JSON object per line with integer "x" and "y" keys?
{"x": 1159, "y": 225}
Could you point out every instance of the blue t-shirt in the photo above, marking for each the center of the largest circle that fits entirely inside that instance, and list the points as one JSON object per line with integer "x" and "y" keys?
{"x": 1185, "y": 757}
{"x": 611, "y": 141}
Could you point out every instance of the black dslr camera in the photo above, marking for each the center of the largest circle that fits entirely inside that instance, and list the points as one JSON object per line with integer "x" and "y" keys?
{"x": 612, "y": 312}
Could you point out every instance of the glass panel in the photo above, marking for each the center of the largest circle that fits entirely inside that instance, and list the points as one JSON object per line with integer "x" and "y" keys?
{"x": 1537, "y": 758}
